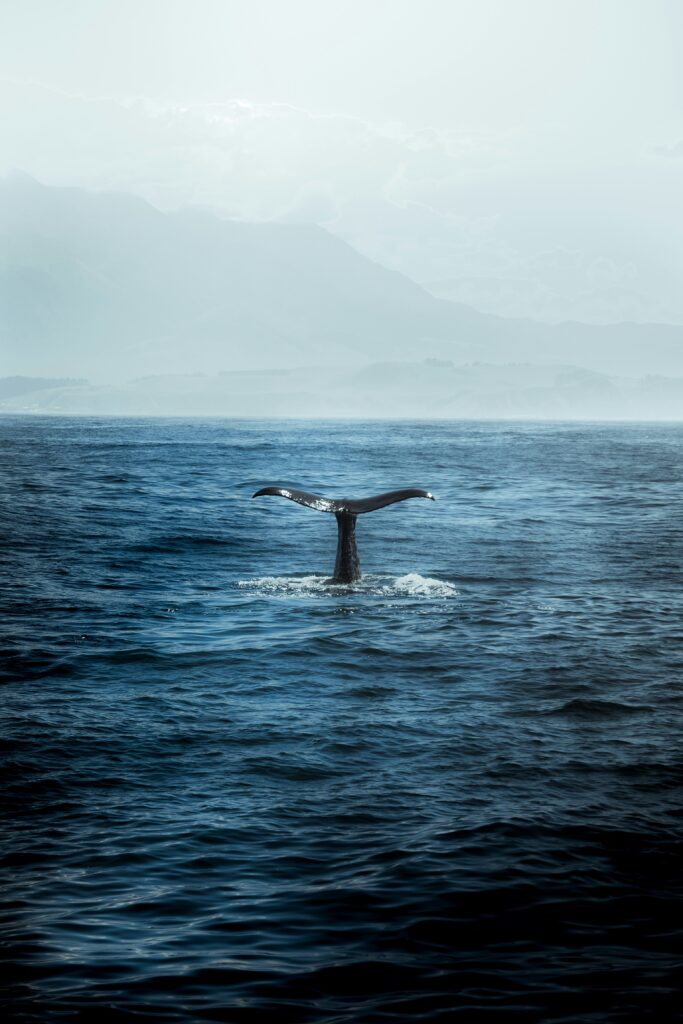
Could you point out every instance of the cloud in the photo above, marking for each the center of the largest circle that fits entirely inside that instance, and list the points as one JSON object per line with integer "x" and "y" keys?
{"x": 670, "y": 152}
{"x": 314, "y": 203}
{"x": 249, "y": 159}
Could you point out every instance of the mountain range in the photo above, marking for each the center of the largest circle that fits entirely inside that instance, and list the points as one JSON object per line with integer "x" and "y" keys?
{"x": 106, "y": 287}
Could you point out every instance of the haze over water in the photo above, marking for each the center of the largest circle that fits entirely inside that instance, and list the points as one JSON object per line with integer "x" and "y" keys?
{"x": 449, "y": 793}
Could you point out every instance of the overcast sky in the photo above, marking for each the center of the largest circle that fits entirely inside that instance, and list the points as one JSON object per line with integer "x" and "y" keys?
{"x": 526, "y": 154}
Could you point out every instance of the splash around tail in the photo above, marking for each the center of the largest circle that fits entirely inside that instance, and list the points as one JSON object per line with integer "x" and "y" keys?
{"x": 346, "y": 510}
{"x": 411, "y": 587}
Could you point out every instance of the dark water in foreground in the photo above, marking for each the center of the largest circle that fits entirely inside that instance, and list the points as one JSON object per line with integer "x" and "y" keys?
{"x": 235, "y": 794}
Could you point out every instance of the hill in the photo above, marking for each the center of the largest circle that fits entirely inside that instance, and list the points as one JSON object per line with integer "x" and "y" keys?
{"x": 431, "y": 389}
{"x": 105, "y": 286}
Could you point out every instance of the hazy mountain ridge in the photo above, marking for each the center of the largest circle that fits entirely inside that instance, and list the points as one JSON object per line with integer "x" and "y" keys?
{"x": 432, "y": 389}
{"x": 105, "y": 285}
{"x": 184, "y": 313}
{"x": 512, "y": 297}
{"x": 83, "y": 271}
{"x": 12, "y": 387}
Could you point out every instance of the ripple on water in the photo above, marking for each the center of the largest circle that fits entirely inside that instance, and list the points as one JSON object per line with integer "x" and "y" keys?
{"x": 237, "y": 792}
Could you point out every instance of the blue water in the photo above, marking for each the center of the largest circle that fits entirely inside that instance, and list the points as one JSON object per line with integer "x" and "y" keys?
{"x": 234, "y": 793}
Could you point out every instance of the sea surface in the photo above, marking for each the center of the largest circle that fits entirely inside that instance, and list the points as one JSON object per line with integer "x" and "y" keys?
{"x": 233, "y": 792}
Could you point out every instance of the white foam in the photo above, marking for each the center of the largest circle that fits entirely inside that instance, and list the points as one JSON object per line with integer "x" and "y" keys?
{"x": 286, "y": 584}
{"x": 411, "y": 585}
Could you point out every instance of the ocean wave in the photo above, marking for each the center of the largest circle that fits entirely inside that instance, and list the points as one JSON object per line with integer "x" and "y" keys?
{"x": 181, "y": 542}
{"x": 285, "y": 799}
{"x": 598, "y": 708}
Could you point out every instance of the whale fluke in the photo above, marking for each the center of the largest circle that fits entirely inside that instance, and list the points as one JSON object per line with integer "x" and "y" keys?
{"x": 302, "y": 497}
{"x": 347, "y": 566}
{"x": 360, "y": 505}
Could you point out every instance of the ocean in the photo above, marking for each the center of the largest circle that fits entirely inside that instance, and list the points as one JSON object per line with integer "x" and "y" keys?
{"x": 233, "y": 792}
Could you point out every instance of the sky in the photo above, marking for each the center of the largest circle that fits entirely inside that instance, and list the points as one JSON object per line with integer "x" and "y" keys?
{"x": 524, "y": 156}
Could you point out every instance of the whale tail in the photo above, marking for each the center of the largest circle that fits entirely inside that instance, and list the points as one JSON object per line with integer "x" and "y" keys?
{"x": 347, "y": 566}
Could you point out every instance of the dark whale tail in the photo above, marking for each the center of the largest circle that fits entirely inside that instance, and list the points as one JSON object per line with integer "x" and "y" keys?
{"x": 347, "y": 566}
